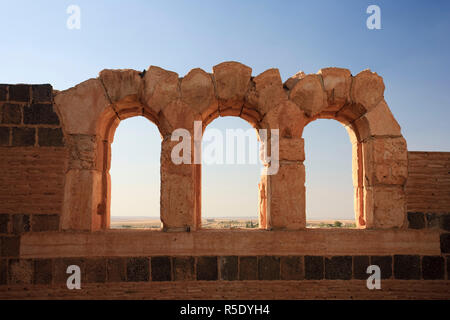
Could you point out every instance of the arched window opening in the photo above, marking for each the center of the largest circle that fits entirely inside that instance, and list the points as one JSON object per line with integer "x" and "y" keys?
{"x": 231, "y": 171}
{"x": 135, "y": 175}
{"x": 329, "y": 185}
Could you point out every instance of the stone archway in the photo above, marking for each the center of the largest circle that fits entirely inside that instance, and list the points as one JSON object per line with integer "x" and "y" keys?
{"x": 91, "y": 111}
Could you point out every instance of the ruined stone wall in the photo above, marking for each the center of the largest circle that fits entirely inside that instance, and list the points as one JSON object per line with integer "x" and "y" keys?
{"x": 55, "y": 192}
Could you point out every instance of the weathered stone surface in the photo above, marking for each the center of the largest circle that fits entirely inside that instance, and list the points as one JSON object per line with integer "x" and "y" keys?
{"x": 116, "y": 269}
{"x": 20, "y": 223}
{"x": 228, "y": 267}
{"x": 41, "y": 93}
{"x": 207, "y": 268}
{"x": 384, "y": 206}
{"x": 433, "y": 267}
{"x": 48, "y": 137}
{"x": 197, "y": 92}
{"x": 309, "y": 95}
{"x": 287, "y": 197}
{"x": 43, "y": 271}
{"x": 4, "y": 223}
{"x": 83, "y": 151}
{"x": 11, "y": 113}
{"x": 268, "y": 268}
{"x": 385, "y": 264}
{"x": 385, "y": 161}
{"x": 19, "y": 92}
{"x": 81, "y": 200}
{"x": 407, "y": 267}
{"x": 81, "y": 106}
{"x": 10, "y": 246}
{"x": 161, "y": 269}
{"x": 159, "y": 88}
{"x": 95, "y": 270}
{"x": 292, "y": 81}
{"x": 377, "y": 122}
{"x": 337, "y": 83}
{"x": 45, "y": 222}
{"x": 292, "y": 149}
{"x": 232, "y": 80}
{"x": 292, "y": 268}
{"x": 20, "y": 271}
{"x": 3, "y": 92}
{"x": 267, "y": 92}
{"x": 248, "y": 268}
{"x": 416, "y": 220}
{"x": 314, "y": 268}
{"x": 177, "y": 115}
{"x": 287, "y": 118}
{"x": 60, "y": 269}
{"x": 339, "y": 267}
{"x": 367, "y": 89}
{"x": 4, "y": 136}
{"x": 120, "y": 83}
{"x": 445, "y": 242}
{"x": 360, "y": 264}
{"x": 183, "y": 268}
{"x": 138, "y": 269}
{"x": 40, "y": 113}
{"x": 3, "y": 271}
{"x": 23, "y": 137}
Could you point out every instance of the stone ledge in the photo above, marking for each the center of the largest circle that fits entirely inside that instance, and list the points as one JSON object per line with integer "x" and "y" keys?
{"x": 129, "y": 243}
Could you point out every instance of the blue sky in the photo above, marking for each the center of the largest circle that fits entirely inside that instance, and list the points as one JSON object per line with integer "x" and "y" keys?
{"x": 411, "y": 52}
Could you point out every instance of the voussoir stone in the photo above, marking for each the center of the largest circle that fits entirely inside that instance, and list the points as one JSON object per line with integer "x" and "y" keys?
{"x": 266, "y": 91}
{"x": 81, "y": 106}
{"x": 120, "y": 83}
{"x": 337, "y": 83}
{"x": 286, "y": 117}
{"x": 378, "y": 122}
{"x": 159, "y": 88}
{"x": 197, "y": 91}
{"x": 232, "y": 80}
{"x": 367, "y": 89}
{"x": 309, "y": 95}
{"x": 292, "y": 81}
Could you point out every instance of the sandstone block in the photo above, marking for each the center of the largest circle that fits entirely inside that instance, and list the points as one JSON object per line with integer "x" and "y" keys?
{"x": 292, "y": 149}
{"x": 11, "y": 113}
{"x": 266, "y": 91}
{"x": 120, "y": 83}
{"x": 160, "y": 87}
{"x": 82, "y": 195}
{"x": 232, "y": 80}
{"x": 367, "y": 89}
{"x": 385, "y": 161}
{"x": 286, "y": 117}
{"x": 384, "y": 207}
{"x": 197, "y": 92}
{"x": 81, "y": 106}
{"x": 377, "y": 122}
{"x": 292, "y": 81}
{"x": 337, "y": 83}
{"x": 286, "y": 197}
{"x": 23, "y": 137}
{"x": 309, "y": 95}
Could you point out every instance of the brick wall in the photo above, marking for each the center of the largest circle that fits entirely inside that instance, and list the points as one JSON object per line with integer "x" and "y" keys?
{"x": 32, "y": 166}
{"x": 428, "y": 184}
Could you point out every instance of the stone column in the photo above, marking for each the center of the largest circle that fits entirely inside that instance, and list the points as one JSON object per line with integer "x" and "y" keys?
{"x": 286, "y": 188}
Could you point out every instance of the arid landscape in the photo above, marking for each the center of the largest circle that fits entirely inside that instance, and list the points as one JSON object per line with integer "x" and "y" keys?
{"x": 220, "y": 223}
